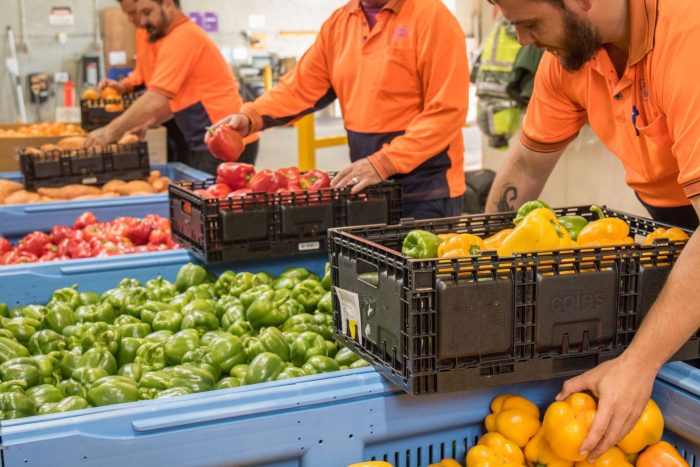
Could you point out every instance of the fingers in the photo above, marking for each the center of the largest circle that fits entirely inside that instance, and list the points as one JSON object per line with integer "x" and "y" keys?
{"x": 360, "y": 186}
{"x": 342, "y": 178}
{"x": 598, "y": 430}
{"x": 577, "y": 384}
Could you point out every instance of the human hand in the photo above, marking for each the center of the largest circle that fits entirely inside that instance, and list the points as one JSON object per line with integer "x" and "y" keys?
{"x": 110, "y": 83}
{"x": 100, "y": 137}
{"x": 239, "y": 122}
{"x": 359, "y": 175}
{"x": 623, "y": 387}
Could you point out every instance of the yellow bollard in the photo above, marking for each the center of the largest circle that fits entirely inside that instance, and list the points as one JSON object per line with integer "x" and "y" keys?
{"x": 267, "y": 78}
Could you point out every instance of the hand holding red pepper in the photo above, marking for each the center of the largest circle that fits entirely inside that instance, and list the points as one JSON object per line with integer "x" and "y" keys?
{"x": 225, "y": 143}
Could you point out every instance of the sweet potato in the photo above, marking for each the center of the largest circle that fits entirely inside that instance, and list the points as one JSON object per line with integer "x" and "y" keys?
{"x": 112, "y": 185}
{"x": 128, "y": 139}
{"x": 108, "y": 194}
{"x": 23, "y": 197}
{"x": 153, "y": 176}
{"x": 137, "y": 186}
{"x": 73, "y": 142}
{"x": 30, "y": 151}
{"x": 69, "y": 191}
{"x": 46, "y": 199}
{"x": 161, "y": 184}
{"x": 49, "y": 147}
{"x": 7, "y": 187}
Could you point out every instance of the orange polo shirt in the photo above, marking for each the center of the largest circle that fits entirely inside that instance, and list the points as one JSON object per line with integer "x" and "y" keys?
{"x": 145, "y": 61}
{"x": 191, "y": 72}
{"x": 403, "y": 87}
{"x": 649, "y": 118}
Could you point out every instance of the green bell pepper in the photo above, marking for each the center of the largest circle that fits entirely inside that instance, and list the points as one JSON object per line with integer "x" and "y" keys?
{"x": 346, "y": 357}
{"x": 21, "y": 328}
{"x": 72, "y": 388}
{"x": 269, "y": 309}
{"x": 198, "y": 304}
{"x": 326, "y": 281}
{"x": 46, "y": 341}
{"x": 320, "y": 364}
{"x": 239, "y": 371}
{"x": 332, "y": 348}
{"x": 86, "y": 376}
{"x": 241, "y": 282}
{"x": 89, "y": 298}
{"x": 241, "y": 328}
{"x": 49, "y": 367}
{"x": 15, "y": 405}
{"x": 227, "y": 352}
{"x": 69, "y": 295}
{"x": 157, "y": 380}
{"x": 228, "y": 383}
{"x": 172, "y": 392}
{"x": 325, "y": 305}
{"x": 131, "y": 370}
{"x": 137, "y": 330}
{"x": 10, "y": 349}
{"x": 70, "y": 360}
{"x": 298, "y": 273}
{"x": 148, "y": 311}
{"x": 190, "y": 275}
{"x": 151, "y": 355}
{"x": 201, "y": 358}
{"x": 233, "y": 313}
{"x": 201, "y": 291}
{"x": 126, "y": 299}
{"x": 123, "y": 320}
{"x": 43, "y": 394}
{"x": 36, "y": 312}
{"x": 167, "y": 320}
{"x": 290, "y": 336}
{"x": 193, "y": 378}
{"x": 102, "y": 312}
{"x": 113, "y": 390}
{"x": 160, "y": 289}
{"x": 285, "y": 283}
{"x": 128, "y": 347}
{"x": 158, "y": 337}
{"x": 58, "y": 316}
{"x": 573, "y": 224}
{"x": 270, "y": 340}
{"x": 262, "y": 278}
{"x": 359, "y": 364}
{"x": 527, "y": 208}
{"x": 309, "y": 292}
{"x": 306, "y": 346}
{"x": 326, "y": 325}
{"x": 200, "y": 320}
{"x": 291, "y": 372}
{"x": 211, "y": 336}
{"x": 264, "y": 367}
{"x": 101, "y": 335}
{"x": 421, "y": 244}
{"x": 3, "y": 309}
{"x": 68, "y": 404}
{"x": 99, "y": 357}
{"x": 301, "y": 323}
{"x": 7, "y": 334}
{"x": 251, "y": 295}
{"x": 16, "y": 385}
{"x": 224, "y": 283}
{"x": 21, "y": 368}
{"x": 179, "y": 344}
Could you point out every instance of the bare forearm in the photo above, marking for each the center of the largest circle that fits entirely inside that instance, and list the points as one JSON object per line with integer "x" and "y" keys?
{"x": 521, "y": 178}
{"x": 144, "y": 110}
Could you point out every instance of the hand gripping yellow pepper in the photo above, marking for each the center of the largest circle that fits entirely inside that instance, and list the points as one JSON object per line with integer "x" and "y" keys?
{"x": 495, "y": 450}
{"x": 647, "y": 431}
{"x": 539, "y": 230}
{"x": 566, "y": 424}
{"x": 613, "y": 457}
{"x": 514, "y": 417}
{"x": 538, "y": 453}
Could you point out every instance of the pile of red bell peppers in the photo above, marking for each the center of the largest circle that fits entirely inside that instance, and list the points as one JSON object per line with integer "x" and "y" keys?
{"x": 90, "y": 238}
{"x": 236, "y": 179}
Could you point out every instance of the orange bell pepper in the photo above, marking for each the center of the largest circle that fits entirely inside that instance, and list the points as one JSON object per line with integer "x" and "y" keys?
{"x": 460, "y": 245}
{"x": 514, "y": 417}
{"x": 446, "y": 463}
{"x": 661, "y": 454}
{"x": 539, "y": 453}
{"x": 566, "y": 424}
{"x": 494, "y": 241}
{"x": 613, "y": 457}
{"x": 672, "y": 234}
{"x": 493, "y": 450}
{"x": 647, "y": 431}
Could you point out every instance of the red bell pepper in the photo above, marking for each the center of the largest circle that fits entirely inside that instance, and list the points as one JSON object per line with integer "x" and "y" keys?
{"x": 225, "y": 143}
{"x": 203, "y": 193}
{"x": 241, "y": 193}
{"x": 314, "y": 180}
{"x": 140, "y": 233}
{"x": 5, "y": 245}
{"x": 268, "y": 181}
{"x": 235, "y": 174}
{"x": 85, "y": 219}
{"x": 219, "y": 190}
{"x": 58, "y": 233}
{"x": 33, "y": 243}
{"x": 292, "y": 174}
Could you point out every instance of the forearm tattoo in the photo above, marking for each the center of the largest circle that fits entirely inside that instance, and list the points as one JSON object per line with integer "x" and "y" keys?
{"x": 506, "y": 201}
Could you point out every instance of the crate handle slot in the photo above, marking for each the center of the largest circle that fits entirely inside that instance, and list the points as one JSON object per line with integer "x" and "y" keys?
{"x": 368, "y": 273}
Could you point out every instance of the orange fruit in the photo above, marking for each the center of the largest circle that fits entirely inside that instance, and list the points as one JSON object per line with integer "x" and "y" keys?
{"x": 90, "y": 95}
{"x": 108, "y": 93}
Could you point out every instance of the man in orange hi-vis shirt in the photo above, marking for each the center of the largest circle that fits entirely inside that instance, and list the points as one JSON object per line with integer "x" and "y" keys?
{"x": 191, "y": 81}
{"x": 399, "y": 69}
{"x": 628, "y": 68}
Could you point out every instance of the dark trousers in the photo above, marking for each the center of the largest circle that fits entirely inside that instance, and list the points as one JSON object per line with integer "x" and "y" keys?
{"x": 682, "y": 216}
{"x": 433, "y": 208}
{"x": 204, "y": 161}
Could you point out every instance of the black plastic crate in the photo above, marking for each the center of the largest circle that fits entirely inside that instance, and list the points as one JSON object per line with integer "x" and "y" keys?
{"x": 440, "y": 325}
{"x": 93, "y": 113}
{"x": 266, "y": 225}
{"x": 89, "y": 166}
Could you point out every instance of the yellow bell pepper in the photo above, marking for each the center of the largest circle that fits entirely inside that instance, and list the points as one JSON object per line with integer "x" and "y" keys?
{"x": 613, "y": 457}
{"x": 566, "y": 424}
{"x": 539, "y": 453}
{"x": 514, "y": 417}
{"x": 460, "y": 245}
{"x": 672, "y": 234}
{"x": 539, "y": 230}
{"x": 494, "y": 241}
{"x": 447, "y": 236}
{"x": 371, "y": 464}
{"x": 647, "y": 431}
{"x": 446, "y": 463}
{"x": 604, "y": 231}
{"x": 661, "y": 454}
{"x": 494, "y": 449}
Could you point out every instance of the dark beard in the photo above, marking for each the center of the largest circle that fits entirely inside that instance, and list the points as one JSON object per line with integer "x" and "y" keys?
{"x": 580, "y": 43}
{"x": 155, "y": 34}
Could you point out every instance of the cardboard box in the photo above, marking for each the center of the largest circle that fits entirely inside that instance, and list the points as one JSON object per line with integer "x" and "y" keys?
{"x": 157, "y": 139}
{"x": 118, "y": 38}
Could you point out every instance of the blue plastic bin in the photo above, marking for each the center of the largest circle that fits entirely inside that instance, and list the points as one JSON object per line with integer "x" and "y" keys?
{"x": 18, "y": 220}
{"x": 329, "y": 421}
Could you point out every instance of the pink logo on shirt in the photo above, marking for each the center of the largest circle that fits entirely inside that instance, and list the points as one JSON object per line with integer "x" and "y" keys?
{"x": 644, "y": 90}
{"x": 401, "y": 32}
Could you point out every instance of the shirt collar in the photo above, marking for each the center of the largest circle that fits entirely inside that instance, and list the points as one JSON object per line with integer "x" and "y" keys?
{"x": 181, "y": 18}
{"x": 394, "y": 5}
{"x": 643, "y": 18}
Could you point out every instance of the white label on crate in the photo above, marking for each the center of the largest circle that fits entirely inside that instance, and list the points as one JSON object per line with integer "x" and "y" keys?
{"x": 349, "y": 312}
{"x": 87, "y": 181}
{"x": 308, "y": 246}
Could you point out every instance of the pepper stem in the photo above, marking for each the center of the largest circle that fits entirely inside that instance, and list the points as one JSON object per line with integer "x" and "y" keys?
{"x": 598, "y": 210}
